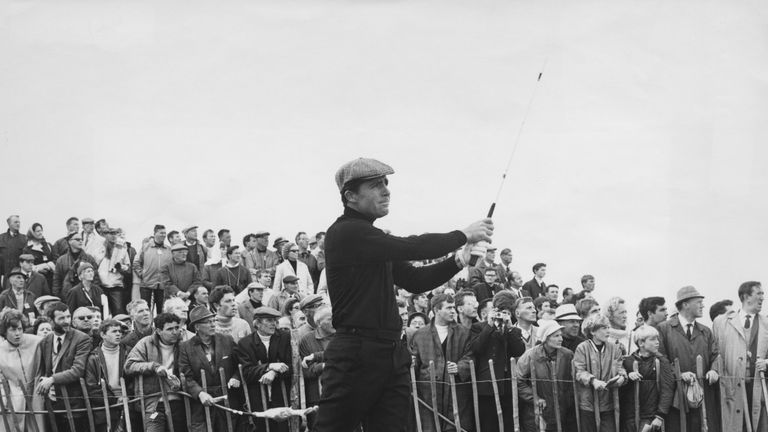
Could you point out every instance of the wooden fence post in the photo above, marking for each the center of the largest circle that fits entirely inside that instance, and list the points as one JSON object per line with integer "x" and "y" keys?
{"x": 105, "y": 400}
{"x": 51, "y": 414}
{"x": 636, "y": 369}
{"x": 126, "y": 408}
{"x": 264, "y": 388}
{"x": 495, "y": 387}
{"x": 142, "y": 407}
{"x": 515, "y": 408}
{"x": 415, "y": 396}
{"x": 433, "y": 387}
{"x": 224, "y": 392}
{"x": 68, "y": 407}
{"x": 187, "y": 408}
{"x": 681, "y": 397}
{"x": 87, "y": 400}
{"x": 10, "y": 412}
{"x": 166, "y": 404}
{"x": 556, "y": 394}
{"x": 246, "y": 393}
{"x": 576, "y": 398}
{"x": 700, "y": 376}
{"x": 207, "y": 409}
{"x": 454, "y": 402}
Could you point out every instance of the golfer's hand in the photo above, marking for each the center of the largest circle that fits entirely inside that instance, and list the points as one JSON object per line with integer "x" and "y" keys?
{"x": 452, "y": 368}
{"x": 481, "y": 230}
{"x": 712, "y": 377}
{"x": 205, "y": 399}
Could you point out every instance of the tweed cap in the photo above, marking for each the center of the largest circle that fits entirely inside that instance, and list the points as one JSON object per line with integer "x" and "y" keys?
{"x": 687, "y": 293}
{"x": 88, "y": 221}
{"x": 261, "y": 233}
{"x": 310, "y": 300}
{"x": 290, "y": 279}
{"x": 198, "y": 314}
{"x": 42, "y": 300}
{"x": 278, "y": 241}
{"x": 566, "y": 312}
{"x": 83, "y": 267}
{"x": 255, "y": 285}
{"x": 26, "y": 257}
{"x": 17, "y": 272}
{"x": 266, "y": 312}
{"x": 361, "y": 169}
{"x": 188, "y": 229}
{"x": 178, "y": 247}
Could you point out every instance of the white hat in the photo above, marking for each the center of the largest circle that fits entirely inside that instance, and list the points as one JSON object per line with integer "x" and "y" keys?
{"x": 547, "y": 327}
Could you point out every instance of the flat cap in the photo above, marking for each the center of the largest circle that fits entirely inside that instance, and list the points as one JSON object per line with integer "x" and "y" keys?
{"x": 88, "y": 221}
{"x": 290, "y": 279}
{"x": 26, "y": 257}
{"x": 310, "y": 300}
{"x": 198, "y": 314}
{"x": 122, "y": 317}
{"x": 188, "y": 229}
{"x": 566, "y": 312}
{"x": 178, "y": 247}
{"x": 687, "y": 293}
{"x": 255, "y": 285}
{"x": 261, "y": 233}
{"x": 110, "y": 230}
{"x": 278, "y": 241}
{"x": 17, "y": 272}
{"x": 361, "y": 169}
{"x": 266, "y": 312}
{"x": 42, "y": 300}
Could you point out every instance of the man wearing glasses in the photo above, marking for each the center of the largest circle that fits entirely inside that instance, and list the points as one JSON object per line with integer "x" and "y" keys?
{"x": 65, "y": 273}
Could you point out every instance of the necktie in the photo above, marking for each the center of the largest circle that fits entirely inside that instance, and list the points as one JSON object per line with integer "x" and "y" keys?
{"x": 747, "y": 322}
{"x": 58, "y": 345}
{"x": 689, "y": 332}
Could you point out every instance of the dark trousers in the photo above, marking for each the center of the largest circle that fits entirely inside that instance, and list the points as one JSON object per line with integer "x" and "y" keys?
{"x": 158, "y": 420}
{"x": 115, "y": 300}
{"x": 158, "y": 295}
{"x": 365, "y": 380}
{"x": 693, "y": 420}
{"x": 62, "y": 423}
{"x": 607, "y": 421}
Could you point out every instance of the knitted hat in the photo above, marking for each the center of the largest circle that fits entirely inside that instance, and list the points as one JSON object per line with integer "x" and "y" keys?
{"x": 83, "y": 267}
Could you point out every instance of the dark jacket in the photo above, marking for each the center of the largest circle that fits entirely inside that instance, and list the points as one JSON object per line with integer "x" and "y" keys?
{"x": 533, "y": 289}
{"x": 491, "y": 343}
{"x": 252, "y": 354}
{"x": 535, "y": 364}
{"x": 192, "y": 361}
{"x": 657, "y": 388}
{"x": 310, "y": 344}
{"x": 8, "y": 299}
{"x": 363, "y": 263}
{"x": 65, "y": 273}
{"x": 143, "y": 360}
{"x": 238, "y": 277}
{"x": 484, "y": 291}
{"x": 209, "y": 275}
{"x": 427, "y": 347}
{"x": 10, "y": 249}
{"x": 132, "y": 338}
{"x": 572, "y": 342}
{"x": 69, "y": 367}
{"x": 179, "y": 277}
{"x": 95, "y": 371}
{"x": 200, "y": 253}
{"x": 78, "y": 298}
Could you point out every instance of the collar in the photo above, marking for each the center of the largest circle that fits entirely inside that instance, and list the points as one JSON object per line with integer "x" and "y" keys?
{"x": 538, "y": 279}
{"x": 194, "y": 243}
{"x": 684, "y": 323}
{"x": 352, "y": 213}
{"x": 11, "y": 233}
{"x": 743, "y": 316}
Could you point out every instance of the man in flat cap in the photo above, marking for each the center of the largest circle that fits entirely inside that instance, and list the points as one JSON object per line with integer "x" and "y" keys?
{"x": 18, "y": 297}
{"x": 35, "y": 283}
{"x": 93, "y": 242}
{"x": 308, "y": 306}
{"x": 368, "y": 382}
{"x": 247, "y": 307}
{"x": 179, "y": 277}
{"x": 12, "y": 243}
{"x": 683, "y": 337}
{"x": 197, "y": 253}
{"x": 256, "y": 255}
{"x": 266, "y": 358}
{"x": 290, "y": 290}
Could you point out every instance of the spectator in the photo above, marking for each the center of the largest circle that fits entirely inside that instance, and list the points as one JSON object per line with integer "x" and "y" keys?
{"x": 719, "y": 308}
{"x": 262, "y": 258}
{"x": 86, "y": 293}
{"x": 466, "y": 308}
{"x": 291, "y": 266}
{"x": 477, "y": 274}
{"x": 446, "y": 344}
{"x": 101, "y": 227}
{"x": 278, "y": 246}
{"x": 536, "y": 287}
{"x": 506, "y": 261}
{"x": 106, "y": 363}
{"x": 64, "y": 354}
{"x": 93, "y": 243}
{"x": 568, "y": 296}
{"x": 225, "y": 237}
{"x": 525, "y": 316}
{"x": 656, "y": 386}
{"x": 488, "y": 286}
{"x": 113, "y": 270}
{"x": 142, "y": 322}
{"x": 598, "y": 366}
{"x": 233, "y": 273}
{"x": 65, "y": 273}
{"x": 545, "y": 363}
{"x": 127, "y": 276}
{"x": 586, "y": 307}
{"x": 496, "y": 339}
{"x": 17, "y": 297}
{"x": 587, "y": 286}
{"x": 12, "y": 244}
{"x": 200, "y": 298}
{"x": 222, "y": 299}
{"x": 246, "y": 308}
{"x": 62, "y": 245}
{"x": 484, "y": 308}
{"x": 302, "y": 241}
{"x": 156, "y": 357}
{"x": 552, "y": 293}
{"x": 653, "y": 311}
{"x": 266, "y": 359}
{"x": 684, "y": 338}
{"x": 43, "y": 257}
{"x": 212, "y": 267}
{"x": 43, "y": 327}
{"x": 319, "y": 252}
{"x": 84, "y": 320}
{"x": 147, "y": 265}
{"x": 174, "y": 238}
{"x": 291, "y": 305}
{"x": 418, "y": 303}
{"x": 311, "y": 350}
{"x": 196, "y": 253}
{"x": 737, "y": 333}
{"x": 542, "y": 305}
{"x": 178, "y": 307}
{"x": 179, "y": 277}
{"x": 34, "y": 281}
{"x": 616, "y": 312}
{"x": 20, "y": 364}
{"x": 308, "y": 306}
{"x": 416, "y": 321}
{"x": 212, "y": 252}
{"x": 41, "y": 304}
{"x": 290, "y": 291}
{"x": 566, "y": 316}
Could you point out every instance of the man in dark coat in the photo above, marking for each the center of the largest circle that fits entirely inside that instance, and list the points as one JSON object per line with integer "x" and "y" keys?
{"x": 106, "y": 363}
{"x": 17, "y": 297}
{"x": 64, "y": 354}
{"x": 536, "y": 286}
{"x": 65, "y": 273}
{"x": 206, "y": 352}
{"x": 12, "y": 243}
{"x": 179, "y": 277}
{"x": 268, "y": 364}
{"x": 36, "y": 283}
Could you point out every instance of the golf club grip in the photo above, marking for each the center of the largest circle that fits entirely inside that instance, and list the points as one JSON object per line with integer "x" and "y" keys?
{"x": 490, "y": 211}
{"x": 473, "y": 259}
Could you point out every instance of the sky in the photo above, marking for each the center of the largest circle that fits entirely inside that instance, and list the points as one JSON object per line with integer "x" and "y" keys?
{"x": 641, "y": 161}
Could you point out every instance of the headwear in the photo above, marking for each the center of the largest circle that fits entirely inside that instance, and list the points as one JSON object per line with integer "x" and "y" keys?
{"x": 261, "y": 233}
{"x": 87, "y": 220}
{"x": 687, "y": 293}
{"x": 121, "y": 317}
{"x": 42, "y": 300}
{"x": 26, "y": 257}
{"x": 276, "y": 243}
{"x": 310, "y": 300}
{"x": 290, "y": 279}
{"x": 83, "y": 267}
{"x": 505, "y": 251}
{"x": 17, "y": 271}
{"x": 361, "y": 169}
{"x": 188, "y": 229}
{"x": 547, "y": 327}
{"x": 490, "y": 248}
{"x": 566, "y": 312}
{"x": 179, "y": 246}
{"x": 255, "y": 285}
{"x": 111, "y": 230}
{"x": 266, "y": 312}
{"x": 198, "y": 314}
{"x": 287, "y": 249}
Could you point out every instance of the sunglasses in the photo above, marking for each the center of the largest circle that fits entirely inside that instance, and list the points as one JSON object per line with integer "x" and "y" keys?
{"x": 85, "y": 317}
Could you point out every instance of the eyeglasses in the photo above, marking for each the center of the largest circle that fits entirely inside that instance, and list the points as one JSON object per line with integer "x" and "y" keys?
{"x": 85, "y": 317}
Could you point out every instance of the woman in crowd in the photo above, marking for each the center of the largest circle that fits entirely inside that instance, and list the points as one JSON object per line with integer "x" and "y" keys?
{"x": 19, "y": 365}
{"x": 292, "y": 266}
{"x": 45, "y": 259}
{"x": 598, "y": 371}
{"x": 42, "y": 326}
{"x": 616, "y": 312}
{"x": 290, "y": 306}
{"x": 86, "y": 293}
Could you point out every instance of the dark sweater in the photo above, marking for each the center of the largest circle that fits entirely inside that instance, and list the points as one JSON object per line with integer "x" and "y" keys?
{"x": 363, "y": 263}
{"x": 655, "y": 399}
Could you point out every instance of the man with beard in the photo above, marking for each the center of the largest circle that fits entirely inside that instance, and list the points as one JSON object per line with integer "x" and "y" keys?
{"x": 179, "y": 277}
{"x": 466, "y": 308}
{"x": 65, "y": 273}
{"x": 156, "y": 357}
{"x": 266, "y": 358}
{"x": 311, "y": 349}
{"x": 222, "y": 299}
{"x": 566, "y": 316}
{"x": 445, "y": 343}
{"x": 142, "y": 322}
{"x": 64, "y": 354}
{"x": 106, "y": 363}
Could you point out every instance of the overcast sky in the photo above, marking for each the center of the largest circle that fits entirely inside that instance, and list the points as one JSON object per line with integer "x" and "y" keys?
{"x": 643, "y": 159}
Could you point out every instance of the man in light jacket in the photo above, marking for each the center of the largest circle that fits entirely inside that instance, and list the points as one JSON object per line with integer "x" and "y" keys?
{"x": 146, "y": 267}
